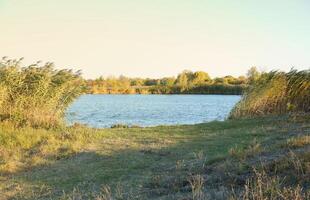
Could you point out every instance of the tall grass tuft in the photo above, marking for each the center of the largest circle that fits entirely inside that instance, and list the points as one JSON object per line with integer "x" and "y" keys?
{"x": 36, "y": 95}
{"x": 276, "y": 93}
{"x": 263, "y": 187}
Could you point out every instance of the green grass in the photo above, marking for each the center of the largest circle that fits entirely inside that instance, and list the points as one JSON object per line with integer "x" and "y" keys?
{"x": 136, "y": 163}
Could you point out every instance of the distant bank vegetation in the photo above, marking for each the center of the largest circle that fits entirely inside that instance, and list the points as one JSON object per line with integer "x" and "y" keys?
{"x": 275, "y": 93}
{"x": 186, "y": 82}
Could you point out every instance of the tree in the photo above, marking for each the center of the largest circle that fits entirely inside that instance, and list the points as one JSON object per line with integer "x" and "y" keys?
{"x": 182, "y": 80}
{"x": 137, "y": 82}
{"x": 253, "y": 74}
{"x": 150, "y": 82}
{"x": 200, "y": 77}
{"x": 168, "y": 81}
{"x": 220, "y": 81}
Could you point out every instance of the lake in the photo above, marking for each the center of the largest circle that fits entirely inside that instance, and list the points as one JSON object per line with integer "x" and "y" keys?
{"x": 149, "y": 110}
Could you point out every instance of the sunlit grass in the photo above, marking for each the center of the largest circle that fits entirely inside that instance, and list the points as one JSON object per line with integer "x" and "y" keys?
{"x": 36, "y": 95}
{"x": 298, "y": 141}
{"x": 276, "y": 93}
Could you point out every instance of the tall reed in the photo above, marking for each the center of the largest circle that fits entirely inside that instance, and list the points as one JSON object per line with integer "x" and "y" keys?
{"x": 276, "y": 93}
{"x": 36, "y": 95}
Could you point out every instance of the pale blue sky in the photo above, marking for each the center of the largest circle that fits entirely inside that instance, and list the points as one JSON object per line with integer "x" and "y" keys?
{"x": 156, "y": 38}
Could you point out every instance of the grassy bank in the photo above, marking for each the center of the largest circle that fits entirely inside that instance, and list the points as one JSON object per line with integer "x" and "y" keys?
{"x": 213, "y": 160}
{"x": 242, "y": 158}
{"x": 276, "y": 93}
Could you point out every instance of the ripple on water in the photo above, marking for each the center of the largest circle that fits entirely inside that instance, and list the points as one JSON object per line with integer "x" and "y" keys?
{"x": 149, "y": 110}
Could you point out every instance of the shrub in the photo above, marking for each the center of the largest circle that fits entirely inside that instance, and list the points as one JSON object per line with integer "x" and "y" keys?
{"x": 36, "y": 95}
{"x": 120, "y": 126}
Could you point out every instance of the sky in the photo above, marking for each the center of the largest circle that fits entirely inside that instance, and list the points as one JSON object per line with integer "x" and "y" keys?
{"x": 158, "y": 38}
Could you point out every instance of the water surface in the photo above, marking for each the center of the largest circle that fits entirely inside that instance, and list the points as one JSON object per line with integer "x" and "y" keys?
{"x": 149, "y": 110}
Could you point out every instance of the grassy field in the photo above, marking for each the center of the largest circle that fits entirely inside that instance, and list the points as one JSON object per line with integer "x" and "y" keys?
{"x": 212, "y": 160}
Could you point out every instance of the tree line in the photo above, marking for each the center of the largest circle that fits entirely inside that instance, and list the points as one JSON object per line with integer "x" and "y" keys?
{"x": 187, "y": 82}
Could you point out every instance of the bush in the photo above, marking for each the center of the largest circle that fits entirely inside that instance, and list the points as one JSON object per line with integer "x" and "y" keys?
{"x": 36, "y": 95}
{"x": 120, "y": 126}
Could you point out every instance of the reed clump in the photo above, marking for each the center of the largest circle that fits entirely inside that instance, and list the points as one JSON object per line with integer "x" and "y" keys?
{"x": 36, "y": 95}
{"x": 276, "y": 93}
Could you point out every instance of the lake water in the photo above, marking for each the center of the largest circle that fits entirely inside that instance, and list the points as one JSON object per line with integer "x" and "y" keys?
{"x": 149, "y": 110}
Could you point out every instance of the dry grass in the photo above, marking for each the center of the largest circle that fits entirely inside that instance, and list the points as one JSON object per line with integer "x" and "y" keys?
{"x": 26, "y": 147}
{"x": 263, "y": 187}
{"x": 197, "y": 186}
{"x": 276, "y": 93}
{"x": 242, "y": 153}
{"x": 36, "y": 95}
{"x": 298, "y": 141}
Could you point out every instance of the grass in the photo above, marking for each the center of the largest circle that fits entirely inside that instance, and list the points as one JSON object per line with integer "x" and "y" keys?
{"x": 298, "y": 141}
{"x": 276, "y": 93}
{"x": 164, "y": 162}
{"x": 36, "y": 95}
{"x": 263, "y": 187}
